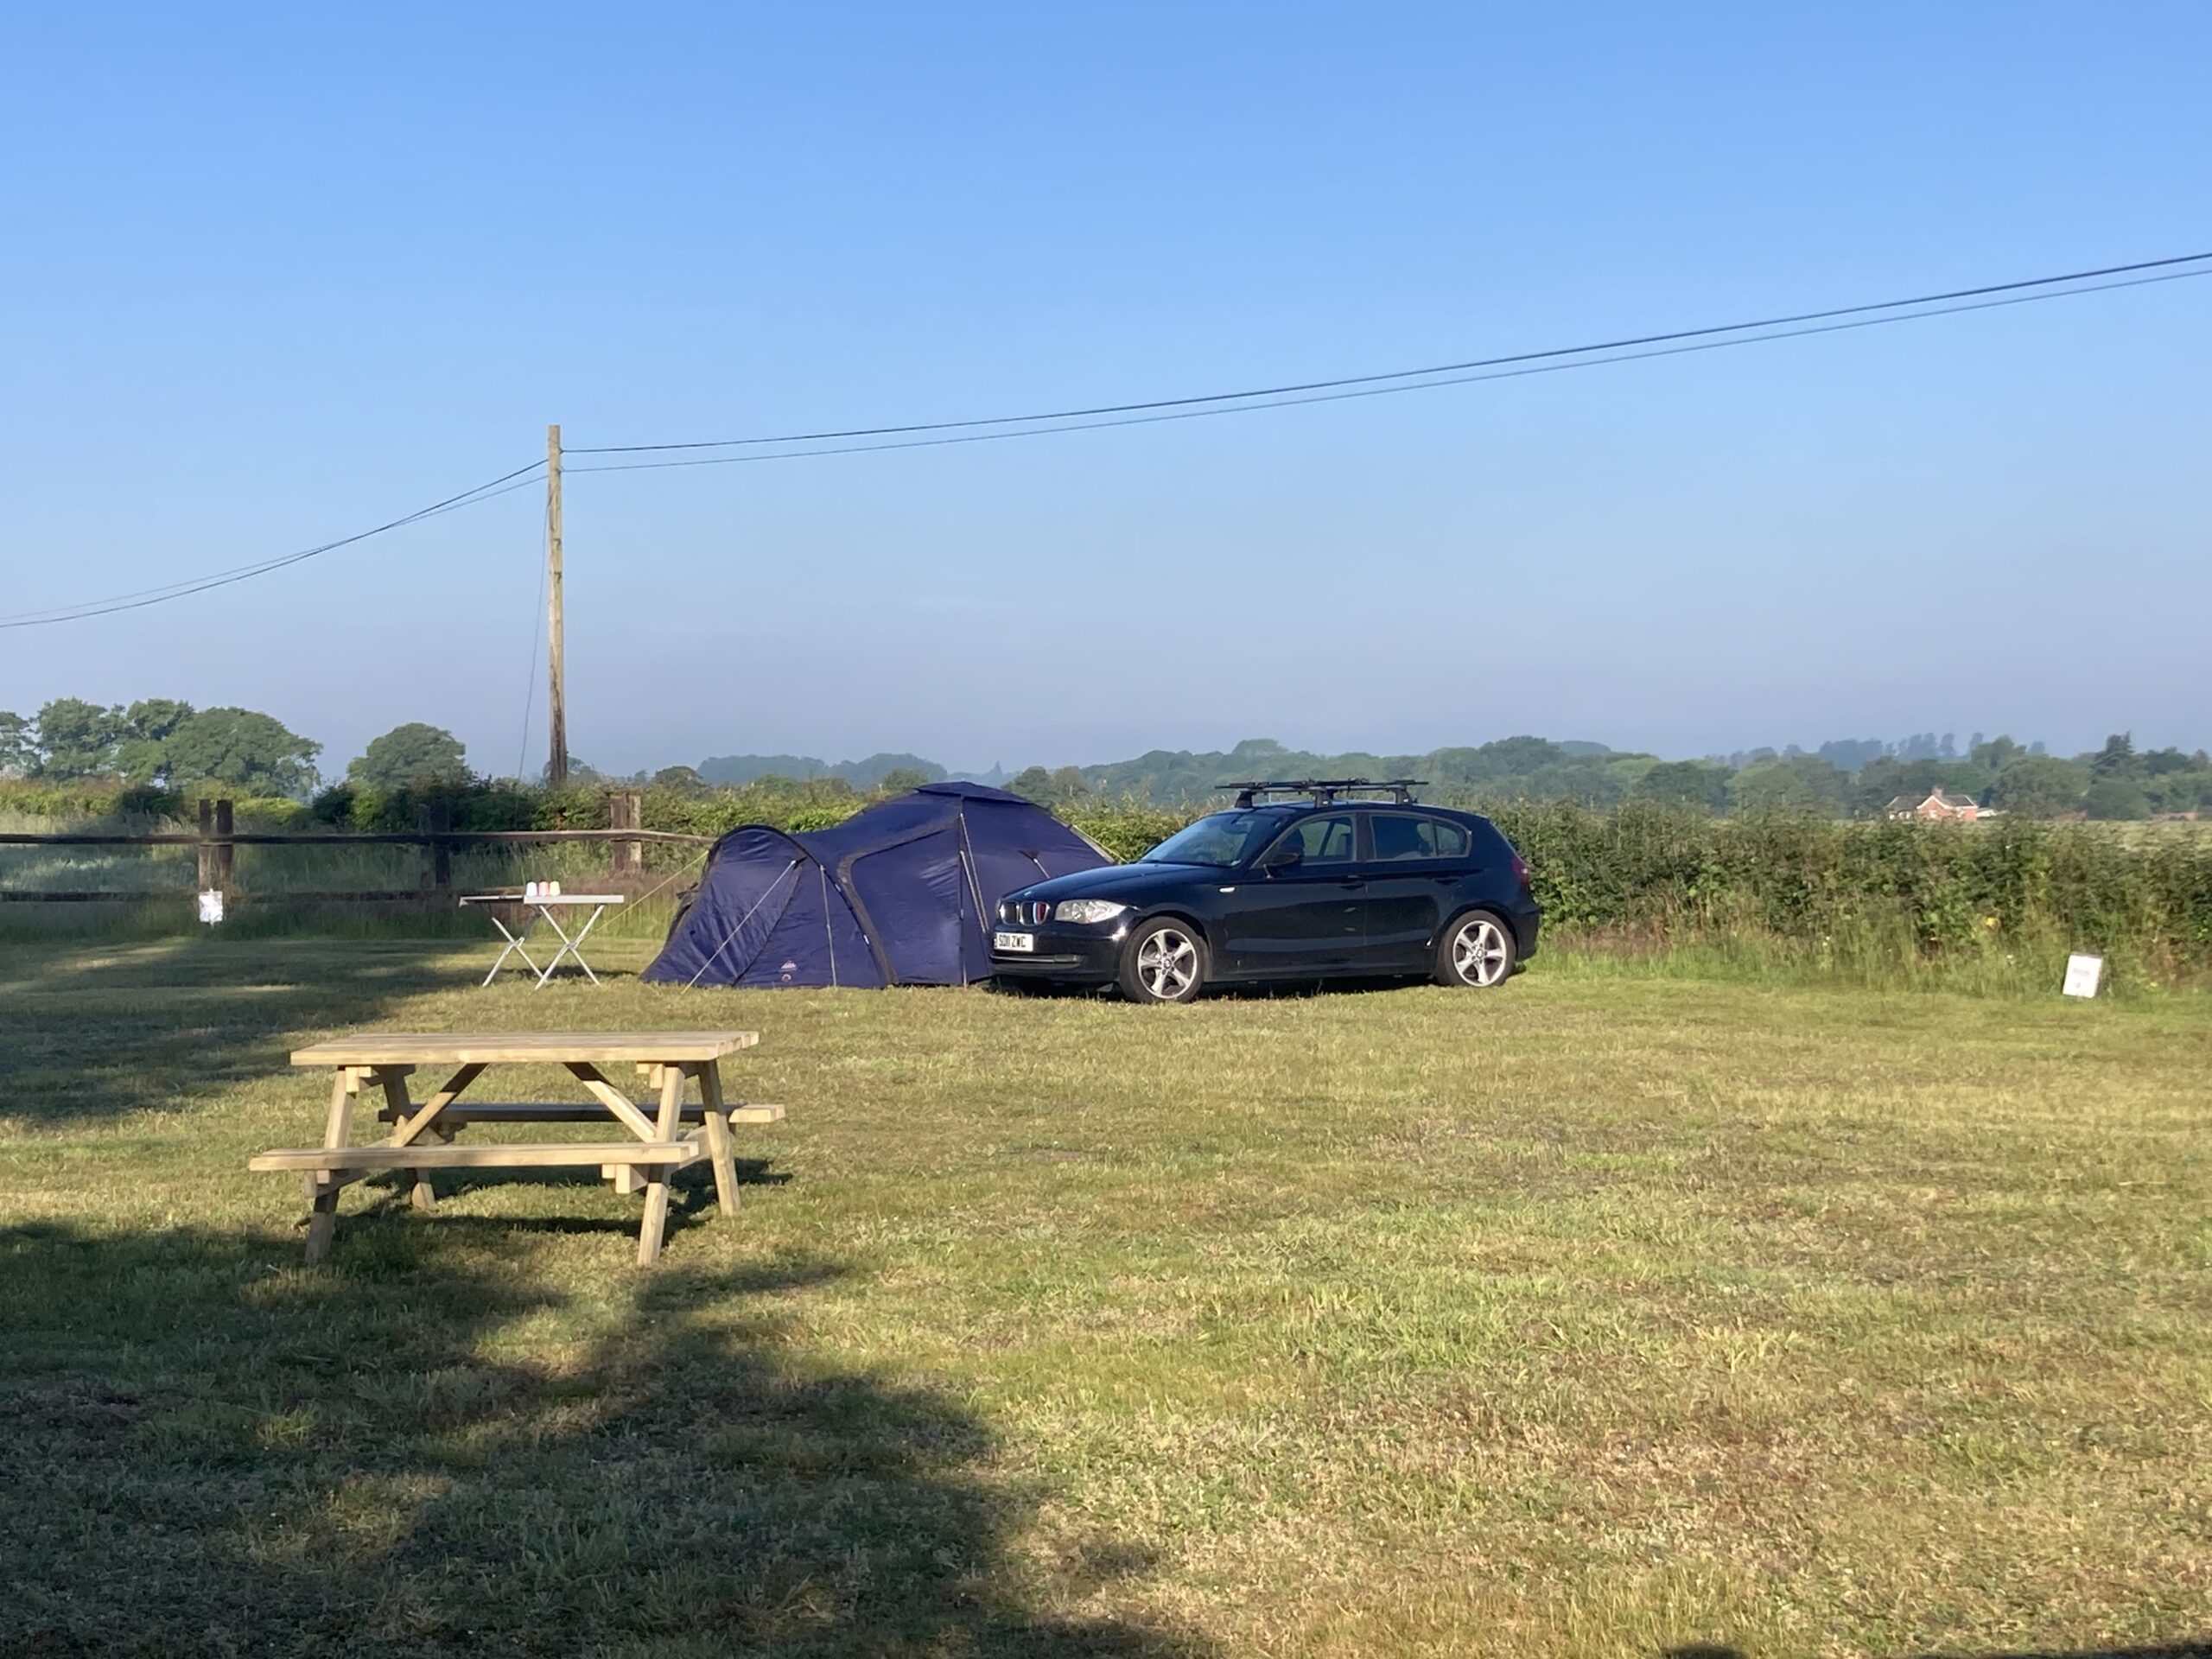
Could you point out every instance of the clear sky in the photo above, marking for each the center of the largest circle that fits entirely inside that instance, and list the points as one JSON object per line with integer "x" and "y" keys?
{"x": 273, "y": 274}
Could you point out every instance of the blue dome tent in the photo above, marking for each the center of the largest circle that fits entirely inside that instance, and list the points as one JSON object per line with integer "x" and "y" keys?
{"x": 901, "y": 894}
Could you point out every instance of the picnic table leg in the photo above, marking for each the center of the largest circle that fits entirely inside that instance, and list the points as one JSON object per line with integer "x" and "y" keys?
{"x": 718, "y": 1147}
{"x": 672, "y": 1115}
{"x": 337, "y": 1130}
{"x": 420, "y": 1193}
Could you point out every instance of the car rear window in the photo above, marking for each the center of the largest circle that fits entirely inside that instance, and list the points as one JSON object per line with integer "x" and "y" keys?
{"x": 1407, "y": 836}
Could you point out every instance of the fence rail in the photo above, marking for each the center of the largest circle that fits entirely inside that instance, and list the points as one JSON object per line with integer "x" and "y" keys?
{"x": 216, "y": 840}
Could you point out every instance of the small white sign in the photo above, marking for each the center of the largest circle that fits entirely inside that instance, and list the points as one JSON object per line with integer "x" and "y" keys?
{"x": 2083, "y": 973}
{"x": 211, "y": 906}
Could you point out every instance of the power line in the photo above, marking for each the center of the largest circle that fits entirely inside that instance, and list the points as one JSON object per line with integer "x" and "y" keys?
{"x": 146, "y": 596}
{"x": 1412, "y": 374}
{"x": 1527, "y": 368}
{"x": 1874, "y": 313}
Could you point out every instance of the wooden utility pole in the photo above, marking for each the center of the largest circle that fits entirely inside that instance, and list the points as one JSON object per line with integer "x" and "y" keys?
{"x": 557, "y": 770}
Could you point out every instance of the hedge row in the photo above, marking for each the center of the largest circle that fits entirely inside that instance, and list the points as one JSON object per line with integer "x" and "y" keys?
{"x": 1661, "y": 871}
{"x": 1948, "y": 885}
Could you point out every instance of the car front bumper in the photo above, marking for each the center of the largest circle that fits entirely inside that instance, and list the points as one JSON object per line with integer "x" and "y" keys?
{"x": 1080, "y": 958}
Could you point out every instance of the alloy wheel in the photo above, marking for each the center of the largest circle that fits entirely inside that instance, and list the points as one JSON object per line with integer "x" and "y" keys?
{"x": 1167, "y": 963}
{"x": 1481, "y": 954}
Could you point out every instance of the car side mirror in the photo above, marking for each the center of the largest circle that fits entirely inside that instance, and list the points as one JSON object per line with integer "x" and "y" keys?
{"x": 1283, "y": 858}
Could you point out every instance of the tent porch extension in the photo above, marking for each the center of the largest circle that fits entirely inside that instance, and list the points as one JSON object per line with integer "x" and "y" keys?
{"x": 901, "y": 894}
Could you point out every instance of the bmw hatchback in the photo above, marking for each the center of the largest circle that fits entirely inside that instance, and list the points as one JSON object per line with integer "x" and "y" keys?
{"x": 1328, "y": 886}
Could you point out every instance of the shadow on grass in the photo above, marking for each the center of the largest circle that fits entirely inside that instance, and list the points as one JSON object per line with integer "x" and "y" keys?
{"x": 2173, "y": 1651}
{"x": 94, "y": 1034}
{"x": 423, "y": 1448}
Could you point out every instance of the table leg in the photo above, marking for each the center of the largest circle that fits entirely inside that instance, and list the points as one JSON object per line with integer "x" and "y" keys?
{"x": 417, "y": 1181}
{"x": 570, "y": 947}
{"x": 337, "y": 1131}
{"x": 718, "y": 1147}
{"x": 671, "y": 1117}
{"x": 514, "y": 944}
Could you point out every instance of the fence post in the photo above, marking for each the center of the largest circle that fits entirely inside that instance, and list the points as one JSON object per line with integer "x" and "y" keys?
{"x": 225, "y": 854}
{"x": 206, "y": 847}
{"x": 435, "y": 820}
{"x": 625, "y": 809}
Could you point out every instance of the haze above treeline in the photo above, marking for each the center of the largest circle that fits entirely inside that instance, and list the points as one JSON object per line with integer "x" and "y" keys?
{"x": 170, "y": 745}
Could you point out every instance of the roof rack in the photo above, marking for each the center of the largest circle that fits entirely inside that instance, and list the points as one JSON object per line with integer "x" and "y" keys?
{"x": 1325, "y": 791}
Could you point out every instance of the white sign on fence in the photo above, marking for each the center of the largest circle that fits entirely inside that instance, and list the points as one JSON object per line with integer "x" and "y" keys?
{"x": 2083, "y": 975}
{"x": 211, "y": 906}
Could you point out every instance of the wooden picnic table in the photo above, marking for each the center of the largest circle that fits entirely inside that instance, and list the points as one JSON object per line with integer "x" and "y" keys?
{"x": 422, "y": 1137}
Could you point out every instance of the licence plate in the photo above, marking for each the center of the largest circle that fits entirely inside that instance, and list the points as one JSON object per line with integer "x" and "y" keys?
{"x": 1013, "y": 944}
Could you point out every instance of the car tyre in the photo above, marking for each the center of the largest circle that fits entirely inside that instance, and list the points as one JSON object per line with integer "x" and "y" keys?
{"x": 1476, "y": 952}
{"x": 1165, "y": 960}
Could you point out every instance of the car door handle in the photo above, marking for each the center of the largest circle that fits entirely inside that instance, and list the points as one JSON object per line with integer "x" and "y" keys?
{"x": 1350, "y": 886}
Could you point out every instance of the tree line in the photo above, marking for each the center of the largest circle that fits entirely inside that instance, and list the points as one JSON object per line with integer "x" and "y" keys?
{"x": 1852, "y": 779}
{"x": 166, "y": 745}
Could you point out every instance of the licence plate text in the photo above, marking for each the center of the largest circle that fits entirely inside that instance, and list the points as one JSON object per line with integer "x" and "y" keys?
{"x": 1013, "y": 944}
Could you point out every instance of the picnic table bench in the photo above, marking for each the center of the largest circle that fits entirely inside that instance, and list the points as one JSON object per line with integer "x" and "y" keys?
{"x": 422, "y": 1137}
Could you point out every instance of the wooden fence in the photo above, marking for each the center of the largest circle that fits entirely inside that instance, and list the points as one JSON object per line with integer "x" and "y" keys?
{"x": 216, "y": 841}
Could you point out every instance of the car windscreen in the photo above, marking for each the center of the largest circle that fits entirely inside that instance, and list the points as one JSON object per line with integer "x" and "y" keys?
{"x": 1219, "y": 838}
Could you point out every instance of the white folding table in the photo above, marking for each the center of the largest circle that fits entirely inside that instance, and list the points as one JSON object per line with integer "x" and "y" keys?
{"x": 541, "y": 909}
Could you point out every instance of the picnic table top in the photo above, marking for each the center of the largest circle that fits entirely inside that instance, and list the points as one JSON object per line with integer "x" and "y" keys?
{"x": 555, "y": 1047}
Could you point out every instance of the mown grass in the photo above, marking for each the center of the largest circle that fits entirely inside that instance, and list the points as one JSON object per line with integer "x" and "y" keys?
{"x": 1600, "y": 1315}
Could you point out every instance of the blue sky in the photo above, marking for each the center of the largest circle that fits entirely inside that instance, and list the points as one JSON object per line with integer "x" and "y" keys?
{"x": 276, "y": 275}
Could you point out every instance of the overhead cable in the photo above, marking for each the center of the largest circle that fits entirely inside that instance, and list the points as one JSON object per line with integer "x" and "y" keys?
{"x": 1981, "y": 292}
{"x": 146, "y": 596}
{"x": 1527, "y": 368}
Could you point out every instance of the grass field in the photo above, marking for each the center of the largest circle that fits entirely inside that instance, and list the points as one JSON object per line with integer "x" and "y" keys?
{"x": 1603, "y": 1314}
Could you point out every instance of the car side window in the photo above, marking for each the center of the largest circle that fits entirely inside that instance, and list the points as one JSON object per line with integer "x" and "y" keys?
{"x": 1401, "y": 836}
{"x": 1322, "y": 841}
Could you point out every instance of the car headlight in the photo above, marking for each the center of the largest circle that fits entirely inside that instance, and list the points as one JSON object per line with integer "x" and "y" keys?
{"x": 1087, "y": 910}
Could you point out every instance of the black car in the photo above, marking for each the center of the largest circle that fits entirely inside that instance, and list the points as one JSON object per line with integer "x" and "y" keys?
{"x": 1327, "y": 885}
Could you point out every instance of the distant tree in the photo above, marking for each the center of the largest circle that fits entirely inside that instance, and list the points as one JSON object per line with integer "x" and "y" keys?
{"x": 141, "y": 737}
{"x": 242, "y": 748}
{"x": 1849, "y": 753}
{"x": 2116, "y": 795}
{"x": 1807, "y": 784}
{"x": 871, "y": 772}
{"x": 2117, "y": 759}
{"x": 18, "y": 746}
{"x": 1579, "y": 778}
{"x": 410, "y": 755}
{"x": 76, "y": 738}
{"x": 683, "y": 780}
{"x": 1995, "y": 754}
{"x": 1063, "y": 788}
{"x": 1699, "y": 783}
{"x": 901, "y": 780}
{"x": 2039, "y": 786}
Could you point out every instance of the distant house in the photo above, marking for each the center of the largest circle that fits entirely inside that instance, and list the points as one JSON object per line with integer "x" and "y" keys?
{"x": 1938, "y": 803}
